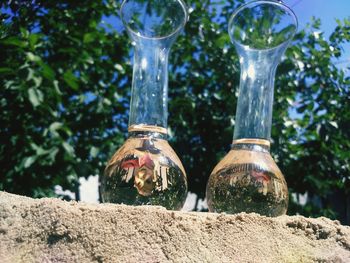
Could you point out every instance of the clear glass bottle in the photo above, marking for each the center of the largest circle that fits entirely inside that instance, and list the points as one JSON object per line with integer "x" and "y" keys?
{"x": 248, "y": 179}
{"x": 146, "y": 170}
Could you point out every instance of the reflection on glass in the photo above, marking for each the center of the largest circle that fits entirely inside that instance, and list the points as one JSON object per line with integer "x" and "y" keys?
{"x": 248, "y": 179}
{"x": 146, "y": 170}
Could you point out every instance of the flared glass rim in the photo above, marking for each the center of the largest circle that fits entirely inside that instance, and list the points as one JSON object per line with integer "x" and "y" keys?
{"x": 174, "y": 32}
{"x": 280, "y": 4}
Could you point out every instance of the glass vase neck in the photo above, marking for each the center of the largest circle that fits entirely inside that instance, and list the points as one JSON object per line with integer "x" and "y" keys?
{"x": 256, "y": 90}
{"x": 261, "y": 31}
{"x": 153, "y": 27}
{"x": 149, "y": 94}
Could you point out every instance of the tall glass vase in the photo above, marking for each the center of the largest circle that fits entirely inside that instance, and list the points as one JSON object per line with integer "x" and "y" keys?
{"x": 146, "y": 170}
{"x": 248, "y": 179}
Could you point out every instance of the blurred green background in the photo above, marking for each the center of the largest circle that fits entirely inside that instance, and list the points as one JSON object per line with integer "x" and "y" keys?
{"x": 65, "y": 78}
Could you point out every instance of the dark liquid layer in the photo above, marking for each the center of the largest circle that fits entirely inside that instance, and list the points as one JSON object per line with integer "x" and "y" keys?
{"x": 247, "y": 188}
{"x": 145, "y": 171}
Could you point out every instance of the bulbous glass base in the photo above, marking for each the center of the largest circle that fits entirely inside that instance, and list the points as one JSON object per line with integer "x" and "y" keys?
{"x": 247, "y": 180}
{"x": 145, "y": 171}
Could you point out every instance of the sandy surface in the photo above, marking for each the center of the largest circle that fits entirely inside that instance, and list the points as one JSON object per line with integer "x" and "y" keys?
{"x": 51, "y": 230}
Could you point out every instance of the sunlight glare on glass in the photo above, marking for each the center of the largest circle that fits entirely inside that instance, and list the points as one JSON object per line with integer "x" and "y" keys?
{"x": 251, "y": 72}
{"x": 144, "y": 63}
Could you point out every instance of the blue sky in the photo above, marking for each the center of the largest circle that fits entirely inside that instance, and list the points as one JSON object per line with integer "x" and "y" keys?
{"x": 327, "y": 11}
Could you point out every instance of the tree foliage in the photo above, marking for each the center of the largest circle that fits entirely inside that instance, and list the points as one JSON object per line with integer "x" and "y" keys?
{"x": 65, "y": 77}
{"x": 64, "y": 93}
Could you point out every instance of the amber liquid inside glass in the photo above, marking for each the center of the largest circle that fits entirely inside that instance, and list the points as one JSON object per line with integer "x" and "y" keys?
{"x": 248, "y": 180}
{"x": 145, "y": 171}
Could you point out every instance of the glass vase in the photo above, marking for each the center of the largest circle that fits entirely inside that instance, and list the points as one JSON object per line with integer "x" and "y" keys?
{"x": 248, "y": 179}
{"x": 146, "y": 170}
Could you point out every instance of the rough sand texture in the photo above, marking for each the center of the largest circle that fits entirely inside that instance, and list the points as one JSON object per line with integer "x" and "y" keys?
{"x": 51, "y": 230}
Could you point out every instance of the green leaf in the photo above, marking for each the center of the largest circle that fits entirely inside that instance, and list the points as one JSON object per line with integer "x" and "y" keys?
{"x": 32, "y": 57}
{"x": 33, "y": 39}
{"x": 28, "y": 161}
{"x": 53, "y": 153}
{"x": 334, "y": 124}
{"x": 37, "y": 82}
{"x": 71, "y": 80}
{"x": 94, "y": 151}
{"x": 55, "y": 126}
{"x": 5, "y": 70}
{"x": 57, "y": 88}
{"x": 35, "y": 96}
{"x": 69, "y": 149}
{"x": 13, "y": 41}
{"x": 88, "y": 38}
{"x": 48, "y": 72}
{"x": 223, "y": 40}
{"x": 119, "y": 68}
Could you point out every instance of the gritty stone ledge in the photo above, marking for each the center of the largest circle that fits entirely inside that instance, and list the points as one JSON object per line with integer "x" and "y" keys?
{"x": 51, "y": 230}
